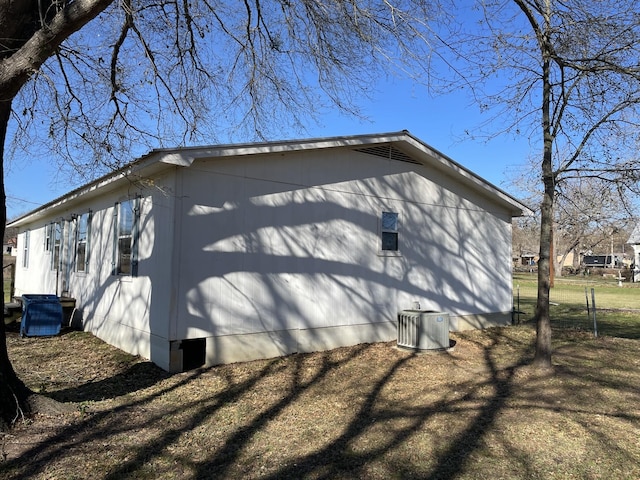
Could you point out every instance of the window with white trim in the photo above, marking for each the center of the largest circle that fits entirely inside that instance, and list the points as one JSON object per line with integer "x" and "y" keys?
{"x": 25, "y": 249}
{"x": 56, "y": 245}
{"x": 48, "y": 230}
{"x": 83, "y": 230}
{"x": 389, "y": 232}
{"x": 126, "y": 215}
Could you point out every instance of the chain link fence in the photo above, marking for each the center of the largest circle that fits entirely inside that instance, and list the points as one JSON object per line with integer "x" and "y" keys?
{"x": 606, "y": 305}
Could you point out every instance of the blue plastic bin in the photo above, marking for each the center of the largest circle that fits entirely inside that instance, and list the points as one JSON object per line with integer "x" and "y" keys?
{"x": 41, "y": 315}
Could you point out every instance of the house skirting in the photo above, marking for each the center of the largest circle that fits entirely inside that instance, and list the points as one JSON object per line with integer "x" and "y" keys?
{"x": 478, "y": 321}
{"x": 240, "y": 348}
{"x": 255, "y": 346}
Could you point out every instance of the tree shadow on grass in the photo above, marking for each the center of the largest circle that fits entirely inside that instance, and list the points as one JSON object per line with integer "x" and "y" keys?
{"x": 338, "y": 458}
{"x": 224, "y": 457}
{"x": 137, "y": 377}
{"x": 99, "y": 427}
{"x": 610, "y": 322}
{"x": 376, "y": 433}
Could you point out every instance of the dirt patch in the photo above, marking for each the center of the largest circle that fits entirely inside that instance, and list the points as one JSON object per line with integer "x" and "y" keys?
{"x": 368, "y": 411}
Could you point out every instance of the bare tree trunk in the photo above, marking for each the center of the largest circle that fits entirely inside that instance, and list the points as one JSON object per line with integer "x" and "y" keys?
{"x": 32, "y": 31}
{"x": 542, "y": 357}
{"x": 543, "y": 321}
{"x": 13, "y": 393}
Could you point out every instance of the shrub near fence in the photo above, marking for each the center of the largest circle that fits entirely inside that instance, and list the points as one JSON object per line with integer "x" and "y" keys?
{"x": 617, "y": 308}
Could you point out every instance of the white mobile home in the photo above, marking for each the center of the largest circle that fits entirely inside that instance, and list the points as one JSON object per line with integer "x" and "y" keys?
{"x": 217, "y": 254}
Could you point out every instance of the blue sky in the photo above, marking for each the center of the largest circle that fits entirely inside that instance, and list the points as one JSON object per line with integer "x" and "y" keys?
{"x": 440, "y": 122}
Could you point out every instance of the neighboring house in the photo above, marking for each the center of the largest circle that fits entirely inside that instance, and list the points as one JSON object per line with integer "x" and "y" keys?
{"x": 604, "y": 261}
{"x": 525, "y": 260}
{"x": 9, "y": 248}
{"x": 10, "y": 242}
{"x": 206, "y": 255}
{"x": 634, "y": 241}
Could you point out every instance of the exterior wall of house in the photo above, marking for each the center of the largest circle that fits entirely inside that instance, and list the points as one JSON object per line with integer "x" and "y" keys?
{"x": 282, "y": 254}
{"x": 128, "y": 311}
{"x": 265, "y": 255}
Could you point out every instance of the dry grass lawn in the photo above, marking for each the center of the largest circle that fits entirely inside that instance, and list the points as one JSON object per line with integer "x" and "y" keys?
{"x": 367, "y": 412}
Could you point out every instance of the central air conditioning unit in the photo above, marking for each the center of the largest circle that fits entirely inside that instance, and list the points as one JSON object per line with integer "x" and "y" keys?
{"x": 423, "y": 330}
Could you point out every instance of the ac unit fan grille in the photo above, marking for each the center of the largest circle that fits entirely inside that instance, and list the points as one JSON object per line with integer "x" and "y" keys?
{"x": 420, "y": 330}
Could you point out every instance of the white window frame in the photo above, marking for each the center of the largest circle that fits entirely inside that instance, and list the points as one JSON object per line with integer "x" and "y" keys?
{"x": 48, "y": 230}
{"x": 384, "y": 228}
{"x": 56, "y": 245}
{"x": 122, "y": 232}
{"x": 82, "y": 264}
{"x": 25, "y": 249}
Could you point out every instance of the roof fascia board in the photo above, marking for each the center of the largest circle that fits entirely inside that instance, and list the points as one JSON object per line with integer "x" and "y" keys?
{"x": 468, "y": 177}
{"x": 187, "y": 155}
{"x": 160, "y": 159}
{"x": 131, "y": 173}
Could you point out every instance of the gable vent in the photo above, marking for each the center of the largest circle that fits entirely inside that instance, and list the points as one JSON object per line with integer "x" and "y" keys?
{"x": 387, "y": 151}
